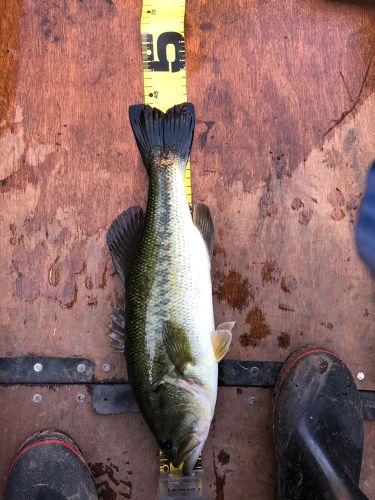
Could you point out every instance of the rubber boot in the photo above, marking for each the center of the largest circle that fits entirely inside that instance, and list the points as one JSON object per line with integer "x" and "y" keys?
{"x": 49, "y": 466}
{"x": 318, "y": 428}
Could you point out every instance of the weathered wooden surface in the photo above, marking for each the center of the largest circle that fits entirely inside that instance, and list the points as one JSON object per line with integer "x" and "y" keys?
{"x": 268, "y": 79}
{"x": 238, "y": 457}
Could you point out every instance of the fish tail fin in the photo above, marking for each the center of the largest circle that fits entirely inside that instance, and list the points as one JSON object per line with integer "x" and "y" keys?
{"x": 163, "y": 136}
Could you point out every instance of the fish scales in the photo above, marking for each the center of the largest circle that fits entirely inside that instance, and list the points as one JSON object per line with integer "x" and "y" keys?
{"x": 169, "y": 325}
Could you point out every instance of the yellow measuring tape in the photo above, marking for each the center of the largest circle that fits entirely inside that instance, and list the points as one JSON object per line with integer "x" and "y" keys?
{"x": 164, "y": 73}
{"x": 163, "y": 51}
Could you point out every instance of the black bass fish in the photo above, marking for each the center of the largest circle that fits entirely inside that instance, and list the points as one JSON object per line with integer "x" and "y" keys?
{"x": 163, "y": 259}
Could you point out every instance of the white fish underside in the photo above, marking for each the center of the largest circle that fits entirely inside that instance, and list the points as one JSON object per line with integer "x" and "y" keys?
{"x": 183, "y": 276}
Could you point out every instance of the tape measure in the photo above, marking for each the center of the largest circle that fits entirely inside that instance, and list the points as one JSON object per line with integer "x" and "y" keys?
{"x": 163, "y": 53}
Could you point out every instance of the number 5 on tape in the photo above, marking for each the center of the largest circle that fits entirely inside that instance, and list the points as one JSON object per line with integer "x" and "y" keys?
{"x": 163, "y": 51}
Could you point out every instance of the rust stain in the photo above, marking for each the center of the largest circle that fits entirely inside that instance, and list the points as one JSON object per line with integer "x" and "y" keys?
{"x": 207, "y": 26}
{"x": 336, "y": 198}
{"x": 271, "y": 273}
{"x": 328, "y": 325}
{"x": 333, "y": 158}
{"x": 219, "y": 250}
{"x": 19, "y": 179}
{"x": 352, "y": 206}
{"x": 223, "y": 457}
{"x": 270, "y": 209}
{"x": 92, "y": 301}
{"x": 283, "y": 340}
{"x": 13, "y": 230}
{"x": 258, "y": 328}
{"x": 232, "y": 288}
{"x": 219, "y": 481}
{"x": 82, "y": 270}
{"x": 88, "y": 283}
{"x": 202, "y": 137}
{"x": 288, "y": 283}
{"x": 10, "y": 30}
{"x": 337, "y": 214}
{"x": 354, "y": 202}
{"x": 297, "y": 203}
{"x": 305, "y": 216}
{"x": 70, "y": 304}
{"x": 103, "y": 282}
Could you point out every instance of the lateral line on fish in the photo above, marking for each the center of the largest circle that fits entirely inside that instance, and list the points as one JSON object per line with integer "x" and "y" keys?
{"x": 163, "y": 54}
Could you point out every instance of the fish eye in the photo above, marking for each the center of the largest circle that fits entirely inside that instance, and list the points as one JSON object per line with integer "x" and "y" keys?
{"x": 165, "y": 444}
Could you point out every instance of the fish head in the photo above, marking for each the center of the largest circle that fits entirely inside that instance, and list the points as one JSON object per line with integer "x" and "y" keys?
{"x": 188, "y": 421}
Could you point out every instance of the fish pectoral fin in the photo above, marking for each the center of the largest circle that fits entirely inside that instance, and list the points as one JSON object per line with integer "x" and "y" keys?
{"x": 221, "y": 339}
{"x": 117, "y": 327}
{"x": 123, "y": 239}
{"x": 202, "y": 219}
{"x": 177, "y": 345}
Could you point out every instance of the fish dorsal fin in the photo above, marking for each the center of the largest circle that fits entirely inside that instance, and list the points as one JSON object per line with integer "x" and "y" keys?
{"x": 202, "y": 219}
{"x": 221, "y": 339}
{"x": 177, "y": 345}
{"x": 117, "y": 327}
{"x": 123, "y": 238}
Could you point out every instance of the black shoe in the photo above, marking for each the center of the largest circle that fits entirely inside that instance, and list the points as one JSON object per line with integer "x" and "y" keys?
{"x": 318, "y": 428}
{"x": 49, "y": 466}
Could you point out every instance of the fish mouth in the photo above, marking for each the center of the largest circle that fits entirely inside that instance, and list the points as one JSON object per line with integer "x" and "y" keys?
{"x": 188, "y": 453}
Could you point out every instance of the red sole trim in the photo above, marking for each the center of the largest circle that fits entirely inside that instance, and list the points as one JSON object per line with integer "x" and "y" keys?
{"x": 46, "y": 441}
{"x": 288, "y": 367}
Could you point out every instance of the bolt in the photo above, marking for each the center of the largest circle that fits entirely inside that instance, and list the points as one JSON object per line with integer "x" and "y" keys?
{"x": 37, "y": 398}
{"x": 252, "y": 401}
{"x": 360, "y": 375}
{"x": 254, "y": 370}
{"x": 38, "y": 367}
{"x": 106, "y": 367}
{"x": 81, "y": 368}
{"x": 80, "y": 398}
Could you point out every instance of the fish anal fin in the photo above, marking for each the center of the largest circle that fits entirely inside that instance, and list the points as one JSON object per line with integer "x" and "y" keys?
{"x": 221, "y": 339}
{"x": 177, "y": 345}
{"x": 123, "y": 239}
{"x": 202, "y": 219}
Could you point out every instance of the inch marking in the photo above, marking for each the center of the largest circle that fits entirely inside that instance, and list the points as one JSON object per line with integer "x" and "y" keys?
{"x": 163, "y": 53}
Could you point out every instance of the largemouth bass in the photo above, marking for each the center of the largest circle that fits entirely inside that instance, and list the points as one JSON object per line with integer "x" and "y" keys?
{"x": 163, "y": 259}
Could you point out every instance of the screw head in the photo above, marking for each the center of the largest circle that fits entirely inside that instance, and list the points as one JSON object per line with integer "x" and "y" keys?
{"x": 80, "y": 398}
{"x": 254, "y": 370}
{"x": 252, "y": 401}
{"x": 38, "y": 367}
{"x": 106, "y": 367}
{"x": 81, "y": 367}
{"x": 360, "y": 376}
{"x": 37, "y": 398}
